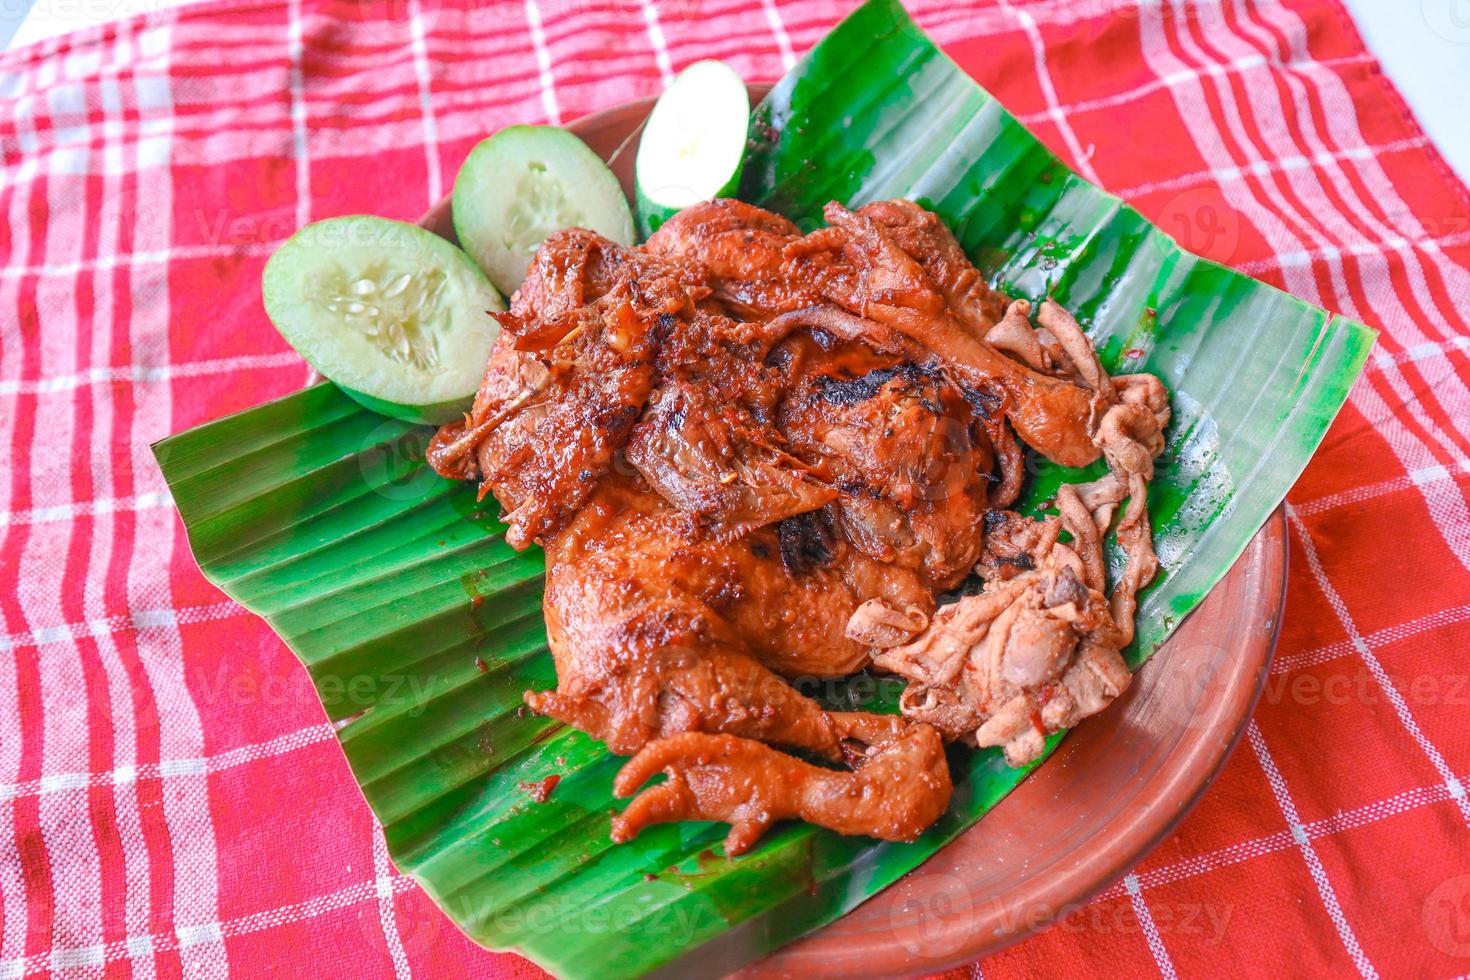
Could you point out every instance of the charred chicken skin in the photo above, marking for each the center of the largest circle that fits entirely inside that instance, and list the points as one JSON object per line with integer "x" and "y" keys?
{"x": 753, "y": 456}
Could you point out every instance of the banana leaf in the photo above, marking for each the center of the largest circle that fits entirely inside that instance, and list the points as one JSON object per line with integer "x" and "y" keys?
{"x": 421, "y": 628}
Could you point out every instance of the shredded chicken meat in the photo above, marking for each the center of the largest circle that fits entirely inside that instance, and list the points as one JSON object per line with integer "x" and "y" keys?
{"x": 754, "y": 456}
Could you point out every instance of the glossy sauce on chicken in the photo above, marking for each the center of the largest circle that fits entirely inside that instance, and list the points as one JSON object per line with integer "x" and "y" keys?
{"x": 754, "y": 456}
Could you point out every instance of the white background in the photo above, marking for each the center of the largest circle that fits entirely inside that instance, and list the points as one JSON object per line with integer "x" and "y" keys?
{"x": 1424, "y": 46}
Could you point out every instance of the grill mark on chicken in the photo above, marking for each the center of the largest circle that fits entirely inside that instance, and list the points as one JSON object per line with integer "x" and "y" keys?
{"x": 845, "y": 390}
{"x": 984, "y": 401}
{"x": 807, "y": 543}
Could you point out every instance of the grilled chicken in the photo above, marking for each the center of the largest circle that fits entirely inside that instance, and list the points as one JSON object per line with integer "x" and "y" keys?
{"x": 755, "y": 457}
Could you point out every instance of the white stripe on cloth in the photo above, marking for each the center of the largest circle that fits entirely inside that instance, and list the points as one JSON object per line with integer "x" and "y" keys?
{"x": 1081, "y": 159}
{"x": 295, "y": 52}
{"x": 657, "y": 42}
{"x": 778, "y": 31}
{"x": 144, "y": 374}
{"x": 1419, "y": 352}
{"x": 1375, "y": 667}
{"x": 187, "y": 938}
{"x": 1309, "y": 853}
{"x": 947, "y": 22}
{"x": 1303, "y": 258}
{"x": 61, "y": 718}
{"x": 1275, "y": 165}
{"x": 1418, "y": 478}
{"x": 1150, "y": 928}
{"x": 543, "y": 63}
{"x": 19, "y": 199}
{"x": 140, "y": 619}
{"x": 158, "y": 648}
{"x": 1158, "y": 84}
{"x": 740, "y": 38}
{"x": 137, "y": 869}
{"x": 87, "y": 508}
{"x": 383, "y": 875}
{"x": 118, "y": 227}
{"x": 127, "y": 775}
{"x": 13, "y": 888}
{"x": 1440, "y": 619}
{"x": 70, "y": 270}
{"x": 420, "y": 47}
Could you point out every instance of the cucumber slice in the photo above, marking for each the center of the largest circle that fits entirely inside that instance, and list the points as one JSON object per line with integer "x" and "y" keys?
{"x": 693, "y": 144}
{"x": 392, "y": 313}
{"x": 523, "y": 184}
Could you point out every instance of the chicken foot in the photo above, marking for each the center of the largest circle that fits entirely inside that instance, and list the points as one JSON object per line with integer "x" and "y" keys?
{"x": 900, "y": 787}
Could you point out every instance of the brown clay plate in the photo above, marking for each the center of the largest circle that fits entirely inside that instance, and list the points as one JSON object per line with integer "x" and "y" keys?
{"x": 1116, "y": 787}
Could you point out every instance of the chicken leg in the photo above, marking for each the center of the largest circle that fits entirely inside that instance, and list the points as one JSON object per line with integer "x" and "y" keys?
{"x": 901, "y": 786}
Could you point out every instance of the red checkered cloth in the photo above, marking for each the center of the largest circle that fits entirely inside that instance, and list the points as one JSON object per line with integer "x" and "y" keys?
{"x": 171, "y": 799}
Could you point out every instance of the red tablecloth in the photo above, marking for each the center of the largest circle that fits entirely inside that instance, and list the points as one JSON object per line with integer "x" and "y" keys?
{"x": 171, "y": 799}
